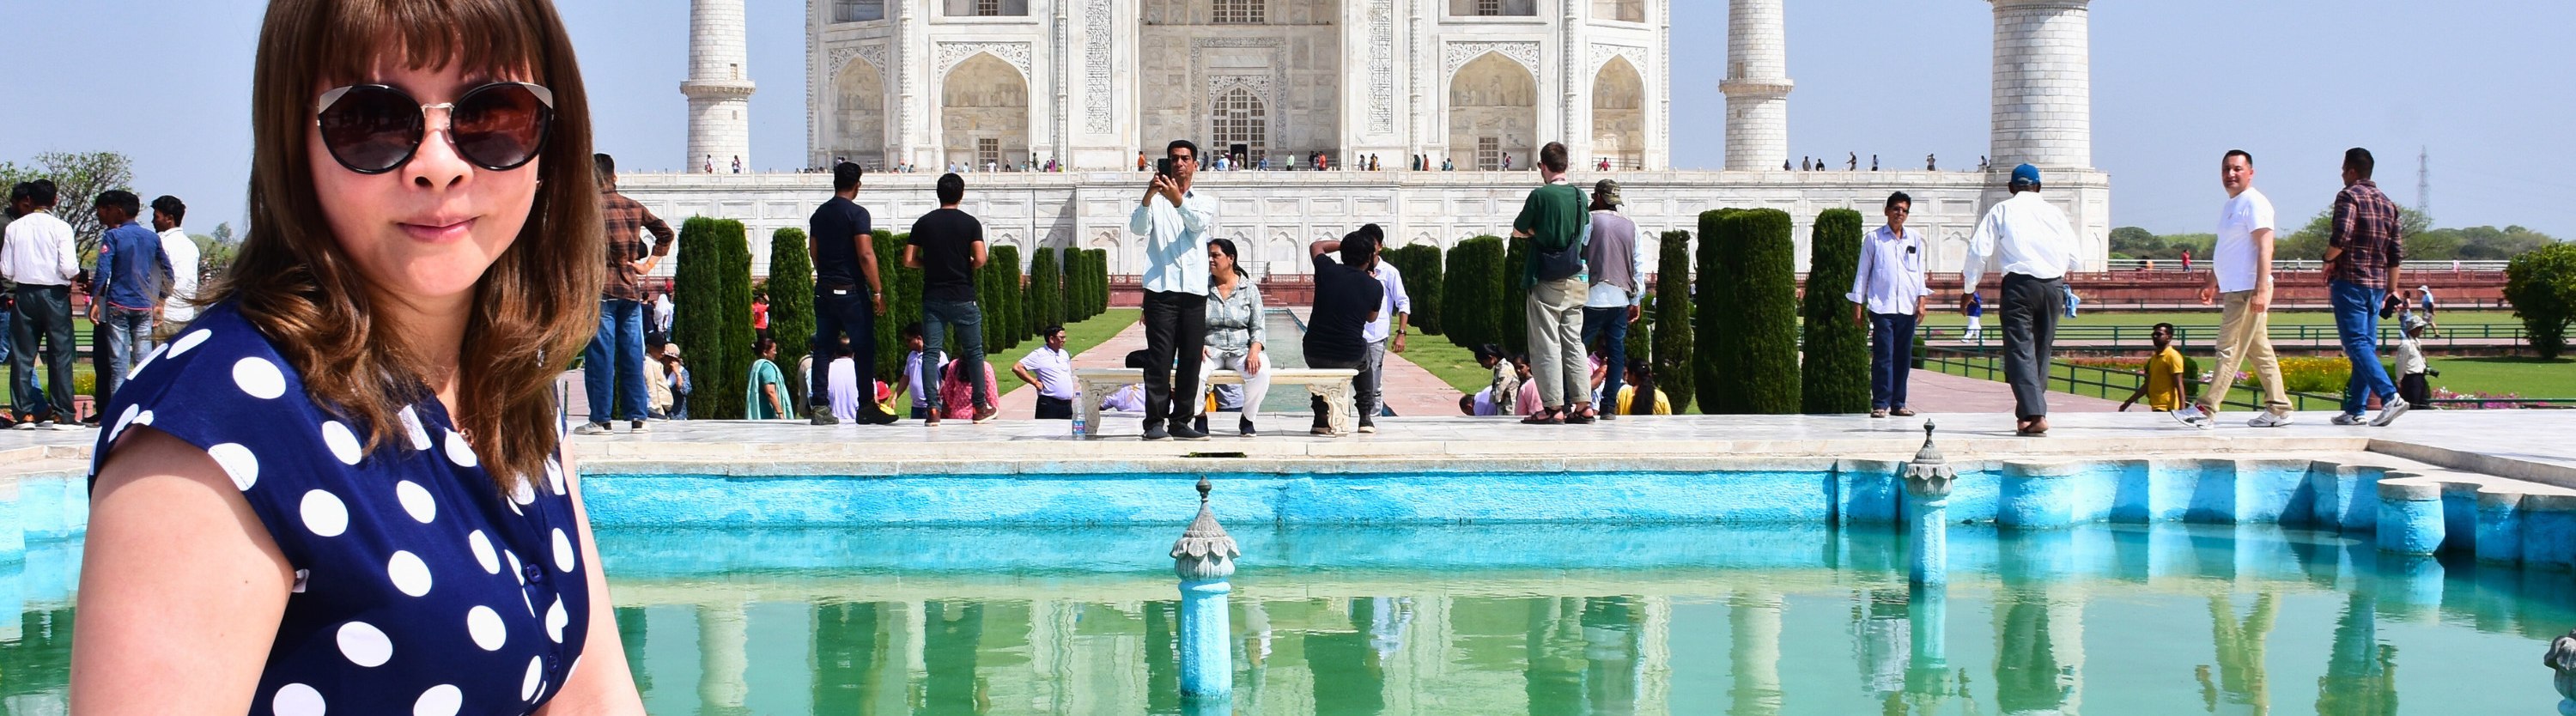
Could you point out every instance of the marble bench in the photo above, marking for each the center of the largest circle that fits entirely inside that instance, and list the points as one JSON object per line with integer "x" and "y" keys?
{"x": 1331, "y": 384}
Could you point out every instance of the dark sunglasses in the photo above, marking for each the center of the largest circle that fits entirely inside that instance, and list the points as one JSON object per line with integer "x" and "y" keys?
{"x": 373, "y": 129}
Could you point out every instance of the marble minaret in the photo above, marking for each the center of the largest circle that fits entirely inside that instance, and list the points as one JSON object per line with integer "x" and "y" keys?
{"x": 1757, "y": 85}
{"x": 719, "y": 88}
{"x": 2043, "y": 101}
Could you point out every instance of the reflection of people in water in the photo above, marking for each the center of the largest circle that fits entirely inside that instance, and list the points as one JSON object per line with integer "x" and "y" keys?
{"x": 2240, "y": 645}
{"x": 2361, "y": 673}
{"x": 2026, "y": 673}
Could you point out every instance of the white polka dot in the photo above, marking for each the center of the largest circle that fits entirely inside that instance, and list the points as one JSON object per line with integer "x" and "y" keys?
{"x": 411, "y": 426}
{"x": 145, "y": 418}
{"x": 523, "y": 492}
{"x": 237, "y": 462}
{"x": 514, "y": 566}
{"x": 440, "y": 700}
{"x": 259, "y": 378}
{"x": 189, "y": 341}
{"x": 483, "y": 552}
{"x": 408, "y": 573}
{"x": 296, "y": 700}
{"x": 416, "y": 500}
{"x": 555, "y": 476}
{"x": 324, "y": 514}
{"x": 555, "y": 621}
{"x": 123, "y": 419}
{"x": 525, "y": 603}
{"x": 563, "y": 551}
{"x": 343, "y": 444}
{"x": 458, "y": 452}
{"x": 365, "y": 645}
{"x": 147, "y": 360}
{"x": 536, "y": 675}
{"x": 485, "y": 626}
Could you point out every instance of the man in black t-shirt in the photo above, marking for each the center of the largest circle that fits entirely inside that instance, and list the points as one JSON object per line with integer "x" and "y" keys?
{"x": 948, "y": 246}
{"x": 1346, "y": 301}
{"x": 844, "y": 253}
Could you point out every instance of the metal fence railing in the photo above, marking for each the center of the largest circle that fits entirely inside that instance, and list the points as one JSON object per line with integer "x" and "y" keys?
{"x": 2118, "y": 383}
{"x": 2465, "y": 335}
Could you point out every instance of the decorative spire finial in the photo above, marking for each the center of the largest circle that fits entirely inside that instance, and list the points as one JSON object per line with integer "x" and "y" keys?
{"x": 1203, "y": 490}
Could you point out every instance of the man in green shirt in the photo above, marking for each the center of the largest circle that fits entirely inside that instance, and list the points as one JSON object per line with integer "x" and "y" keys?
{"x": 1554, "y": 220}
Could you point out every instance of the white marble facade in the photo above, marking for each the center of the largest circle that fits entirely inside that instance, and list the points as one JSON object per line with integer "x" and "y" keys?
{"x": 1092, "y": 82}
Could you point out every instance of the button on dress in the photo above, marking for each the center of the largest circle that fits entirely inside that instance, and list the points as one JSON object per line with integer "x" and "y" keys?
{"x": 420, "y": 587}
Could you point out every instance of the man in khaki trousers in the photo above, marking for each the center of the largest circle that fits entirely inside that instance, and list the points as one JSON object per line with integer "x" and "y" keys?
{"x": 2241, "y": 276}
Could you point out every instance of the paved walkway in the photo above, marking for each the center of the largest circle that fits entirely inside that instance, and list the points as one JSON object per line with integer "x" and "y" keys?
{"x": 1931, "y": 391}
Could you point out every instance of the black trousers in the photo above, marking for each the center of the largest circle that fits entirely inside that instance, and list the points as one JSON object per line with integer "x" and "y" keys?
{"x": 838, "y": 313}
{"x": 2413, "y": 389}
{"x": 1323, "y": 411}
{"x": 43, "y": 313}
{"x": 1054, "y": 409}
{"x": 2031, "y": 309}
{"x": 1175, "y": 327}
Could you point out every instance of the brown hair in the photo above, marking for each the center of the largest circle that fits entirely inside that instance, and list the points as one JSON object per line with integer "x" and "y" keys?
{"x": 533, "y": 310}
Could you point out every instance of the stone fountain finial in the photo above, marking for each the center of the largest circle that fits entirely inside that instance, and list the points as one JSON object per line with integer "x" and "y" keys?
{"x": 1929, "y": 475}
{"x": 2562, "y": 659}
{"x": 1204, "y": 552}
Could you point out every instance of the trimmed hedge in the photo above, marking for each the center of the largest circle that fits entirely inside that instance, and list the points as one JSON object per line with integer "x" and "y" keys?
{"x": 1675, "y": 373}
{"x": 1755, "y": 364}
{"x": 1710, "y": 317}
{"x": 1835, "y": 374}
{"x": 1046, "y": 290}
{"x": 1420, "y": 265}
{"x": 791, "y": 303}
{"x": 1471, "y": 292}
{"x": 2542, "y": 286}
{"x": 902, "y": 299}
{"x": 713, "y": 316}
{"x": 999, "y": 291}
{"x": 1096, "y": 282}
{"x": 1512, "y": 315}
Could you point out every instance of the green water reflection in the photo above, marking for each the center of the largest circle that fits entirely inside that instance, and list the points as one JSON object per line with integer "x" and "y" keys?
{"x": 2098, "y": 620}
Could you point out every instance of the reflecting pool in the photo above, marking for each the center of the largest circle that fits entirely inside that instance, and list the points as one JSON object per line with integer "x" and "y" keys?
{"x": 1535, "y": 619}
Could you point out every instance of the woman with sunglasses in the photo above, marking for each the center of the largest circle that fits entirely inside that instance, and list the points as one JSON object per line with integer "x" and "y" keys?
{"x": 343, "y": 489}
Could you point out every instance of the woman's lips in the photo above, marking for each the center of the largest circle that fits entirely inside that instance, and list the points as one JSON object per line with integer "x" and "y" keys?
{"x": 438, "y": 230}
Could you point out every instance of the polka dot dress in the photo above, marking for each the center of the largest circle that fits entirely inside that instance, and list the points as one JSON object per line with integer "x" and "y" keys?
{"x": 419, "y": 587}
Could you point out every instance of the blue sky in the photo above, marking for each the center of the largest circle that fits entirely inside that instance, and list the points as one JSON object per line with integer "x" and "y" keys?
{"x": 2175, "y": 83}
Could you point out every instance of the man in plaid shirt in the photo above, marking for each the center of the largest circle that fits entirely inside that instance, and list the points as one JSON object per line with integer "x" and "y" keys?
{"x": 2361, "y": 269}
{"x": 616, "y": 353}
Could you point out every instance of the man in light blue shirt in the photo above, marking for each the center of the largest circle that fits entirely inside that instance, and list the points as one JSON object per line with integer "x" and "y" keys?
{"x": 1393, "y": 308}
{"x": 1887, "y": 296}
{"x": 1614, "y": 257}
{"x": 1175, "y": 222}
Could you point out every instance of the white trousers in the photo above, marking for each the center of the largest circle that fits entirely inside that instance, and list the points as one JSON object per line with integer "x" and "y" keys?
{"x": 1255, "y": 385}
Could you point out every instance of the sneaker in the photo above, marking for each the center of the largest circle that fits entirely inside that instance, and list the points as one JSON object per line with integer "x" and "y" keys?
{"x": 2193, "y": 416}
{"x": 68, "y": 427}
{"x": 22, "y": 425}
{"x": 1613, "y": 415}
{"x": 819, "y": 415}
{"x": 879, "y": 418}
{"x": 1367, "y": 427}
{"x": 1188, "y": 432}
{"x": 1154, "y": 431}
{"x": 1243, "y": 426}
{"x": 2269, "y": 420}
{"x": 1199, "y": 423}
{"x": 2388, "y": 412}
{"x": 592, "y": 429}
{"x": 1321, "y": 431}
{"x": 2349, "y": 419}
{"x": 638, "y": 426}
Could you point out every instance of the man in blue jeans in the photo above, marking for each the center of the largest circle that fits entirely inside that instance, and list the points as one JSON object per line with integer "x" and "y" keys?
{"x": 948, "y": 246}
{"x": 129, "y": 289}
{"x": 838, "y": 238}
{"x": 2361, "y": 269}
{"x": 616, "y": 354}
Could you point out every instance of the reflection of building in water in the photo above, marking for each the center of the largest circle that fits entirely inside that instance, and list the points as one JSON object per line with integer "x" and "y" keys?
{"x": 2241, "y": 676}
{"x": 1880, "y": 634}
{"x": 1754, "y": 621}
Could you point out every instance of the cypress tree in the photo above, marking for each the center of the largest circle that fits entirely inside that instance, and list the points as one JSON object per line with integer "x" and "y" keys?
{"x": 1711, "y": 366}
{"x": 903, "y": 303}
{"x": 1767, "y": 296}
{"x": 1836, "y": 369}
{"x": 1421, "y": 267}
{"x": 791, "y": 303}
{"x": 1512, "y": 312}
{"x": 1675, "y": 372}
{"x": 1046, "y": 284}
{"x": 1005, "y": 311}
{"x": 1473, "y": 292}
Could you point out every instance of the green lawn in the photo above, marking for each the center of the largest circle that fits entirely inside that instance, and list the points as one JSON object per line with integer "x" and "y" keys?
{"x": 2527, "y": 377}
{"x": 1453, "y": 364}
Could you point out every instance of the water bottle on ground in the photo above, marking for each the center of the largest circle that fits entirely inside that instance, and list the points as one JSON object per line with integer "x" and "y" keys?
{"x": 1080, "y": 425}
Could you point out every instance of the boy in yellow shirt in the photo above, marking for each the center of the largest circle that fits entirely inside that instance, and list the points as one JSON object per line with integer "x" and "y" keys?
{"x": 2164, "y": 387}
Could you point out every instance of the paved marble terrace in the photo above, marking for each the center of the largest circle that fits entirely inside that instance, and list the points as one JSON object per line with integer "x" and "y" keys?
{"x": 2530, "y": 445}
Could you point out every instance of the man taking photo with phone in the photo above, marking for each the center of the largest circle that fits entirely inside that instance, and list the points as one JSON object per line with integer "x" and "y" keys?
{"x": 1175, "y": 222}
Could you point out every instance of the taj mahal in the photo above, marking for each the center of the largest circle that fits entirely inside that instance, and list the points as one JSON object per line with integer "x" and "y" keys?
{"x": 1085, "y": 86}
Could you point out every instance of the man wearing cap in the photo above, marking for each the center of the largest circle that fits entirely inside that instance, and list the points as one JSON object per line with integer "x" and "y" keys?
{"x": 2241, "y": 273}
{"x": 1612, "y": 256}
{"x": 2034, "y": 245}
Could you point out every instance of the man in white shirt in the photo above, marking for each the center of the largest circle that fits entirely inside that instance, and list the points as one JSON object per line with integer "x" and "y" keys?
{"x": 2034, "y": 245}
{"x": 38, "y": 255}
{"x": 167, "y": 212}
{"x": 1393, "y": 308}
{"x": 1049, "y": 369}
{"x": 1887, "y": 296}
{"x": 1175, "y": 222}
{"x": 2241, "y": 274}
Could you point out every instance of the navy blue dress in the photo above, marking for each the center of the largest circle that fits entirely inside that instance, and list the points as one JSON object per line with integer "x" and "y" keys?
{"x": 420, "y": 588}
